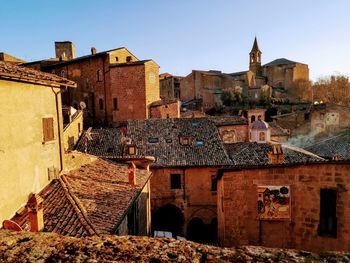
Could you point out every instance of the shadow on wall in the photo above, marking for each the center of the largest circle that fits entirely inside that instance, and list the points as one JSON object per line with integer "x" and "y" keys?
{"x": 168, "y": 218}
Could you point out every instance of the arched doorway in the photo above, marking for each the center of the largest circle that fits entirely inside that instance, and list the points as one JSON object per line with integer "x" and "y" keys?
{"x": 168, "y": 218}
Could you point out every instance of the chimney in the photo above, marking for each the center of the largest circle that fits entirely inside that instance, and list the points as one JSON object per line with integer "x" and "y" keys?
{"x": 65, "y": 50}
{"x": 93, "y": 51}
{"x": 132, "y": 174}
{"x": 35, "y": 212}
{"x": 276, "y": 155}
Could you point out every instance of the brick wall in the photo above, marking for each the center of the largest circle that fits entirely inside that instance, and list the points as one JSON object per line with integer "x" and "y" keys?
{"x": 128, "y": 87}
{"x": 237, "y": 207}
{"x": 195, "y": 198}
{"x": 171, "y": 110}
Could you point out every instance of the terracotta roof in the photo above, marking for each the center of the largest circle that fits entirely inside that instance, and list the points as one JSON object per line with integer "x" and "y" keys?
{"x": 280, "y": 61}
{"x": 163, "y": 102}
{"x": 132, "y": 63}
{"x": 90, "y": 200}
{"x": 10, "y": 71}
{"x": 252, "y": 154}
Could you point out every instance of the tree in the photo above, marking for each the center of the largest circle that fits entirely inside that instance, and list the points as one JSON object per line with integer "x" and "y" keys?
{"x": 300, "y": 90}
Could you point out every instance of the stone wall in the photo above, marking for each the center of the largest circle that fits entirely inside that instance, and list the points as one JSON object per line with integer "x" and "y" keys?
{"x": 238, "y": 209}
{"x": 171, "y": 110}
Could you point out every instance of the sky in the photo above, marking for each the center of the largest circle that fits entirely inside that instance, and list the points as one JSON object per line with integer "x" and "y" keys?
{"x": 182, "y": 35}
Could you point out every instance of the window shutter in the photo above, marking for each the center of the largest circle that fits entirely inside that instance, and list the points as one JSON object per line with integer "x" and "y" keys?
{"x": 48, "y": 132}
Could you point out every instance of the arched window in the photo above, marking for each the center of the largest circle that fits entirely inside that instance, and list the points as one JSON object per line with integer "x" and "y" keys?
{"x": 99, "y": 75}
{"x": 252, "y": 119}
{"x": 261, "y": 136}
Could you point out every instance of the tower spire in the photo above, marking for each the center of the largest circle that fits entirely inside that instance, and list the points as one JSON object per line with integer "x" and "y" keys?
{"x": 255, "y": 47}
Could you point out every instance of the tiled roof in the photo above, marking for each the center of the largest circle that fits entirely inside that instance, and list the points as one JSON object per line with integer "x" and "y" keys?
{"x": 228, "y": 120}
{"x": 132, "y": 63}
{"x": 280, "y": 61}
{"x": 163, "y": 102}
{"x": 252, "y": 154}
{"x": 161, "y": 138}
{"x": 90, "y": 200}
{"x": 12, "y": 72}
{"x": 104, "y": 142}
{"x": 337, "y": 146}
{"x": 277, "y": 130}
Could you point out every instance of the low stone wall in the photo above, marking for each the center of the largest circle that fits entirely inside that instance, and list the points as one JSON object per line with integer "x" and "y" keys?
{"x": 48, "y": 247}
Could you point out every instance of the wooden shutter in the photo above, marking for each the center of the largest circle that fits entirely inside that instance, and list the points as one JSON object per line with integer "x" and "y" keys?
{"x": 48, "y": 132}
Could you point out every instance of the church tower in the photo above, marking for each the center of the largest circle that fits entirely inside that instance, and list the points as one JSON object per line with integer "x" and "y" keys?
{"x": 255, "y": 58}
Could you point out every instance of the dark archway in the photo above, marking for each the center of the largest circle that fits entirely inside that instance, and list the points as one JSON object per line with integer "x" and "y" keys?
{"x": 168, "y": 218}
{"x": 196, "y": 230}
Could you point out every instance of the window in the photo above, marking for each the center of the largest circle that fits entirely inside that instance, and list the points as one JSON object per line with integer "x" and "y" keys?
{"x": 115, "y": 103}
{"x": 99, "y": 75}
{"x": 252, "y": 119}
{"x": 328, "y": 217}
{"x": 169, "y": 140}
{"x": 100, "y": 104}
{"x": 199, "y": 143}
{"x": 167, "y": 116}
{"x": 48, "y": 133}
{"x": 153, "y": 140}
{"x": 321, "y": 116}
{"x": 306, "y": 116}
{"x": 214, "y": 183}
{"x": 63, "y": 74}
{"x": 195, "y": 124}
{"x": 128, "y": 58}
{"x": 261, "y": 136}
{"x": 175, "y": 181}
{"x": 79, "y": 128}
{"x": 86, "y": 100}
{"x": 132, "y": 149}
{"x": 185, "y": 140}
{"x": 116, "y": 59}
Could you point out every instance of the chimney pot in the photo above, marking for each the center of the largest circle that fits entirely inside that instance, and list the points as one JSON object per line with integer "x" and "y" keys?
{"x": 132, "y": 174}
{"x": 35, "y": 212}
{"x": 93, "y": 51}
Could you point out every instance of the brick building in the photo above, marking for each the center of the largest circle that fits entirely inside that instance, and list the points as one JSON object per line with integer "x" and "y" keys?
{"x": 169, "y": 86}
{"x": 272, "y": 79}
{"x": 114, "y": 85}
{"x": 301, "y": 205}
{"x": 165, "y": 109}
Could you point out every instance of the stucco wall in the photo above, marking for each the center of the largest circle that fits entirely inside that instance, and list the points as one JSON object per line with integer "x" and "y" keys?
{"x": 25, "y": 159}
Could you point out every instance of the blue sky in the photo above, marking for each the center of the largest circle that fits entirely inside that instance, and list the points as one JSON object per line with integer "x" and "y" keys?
{"x": 181, "y": 35}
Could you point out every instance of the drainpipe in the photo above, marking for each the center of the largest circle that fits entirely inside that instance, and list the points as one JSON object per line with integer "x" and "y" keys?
{"x": 104, "y": 88}
{"x": 59, "y": 125}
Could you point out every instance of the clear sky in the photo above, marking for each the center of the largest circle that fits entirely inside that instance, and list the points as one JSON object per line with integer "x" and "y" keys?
{"x": 181, "y": 35}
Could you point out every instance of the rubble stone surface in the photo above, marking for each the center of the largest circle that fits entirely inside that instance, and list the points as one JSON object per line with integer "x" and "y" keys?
{"x": 50, "y": 247}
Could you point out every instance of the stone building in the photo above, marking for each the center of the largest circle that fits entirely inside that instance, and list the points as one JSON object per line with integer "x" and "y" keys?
{"x": 272, "y": 80}
{"x": 98, "y": 197}
{"x": 31, "y": 136}
{"x": 207, "y": 86}
{"x": 165, "y": 109}
{"x": 169, "y": 86}
{"x": 114, "y": 85}
{"x": 10, "y": 59}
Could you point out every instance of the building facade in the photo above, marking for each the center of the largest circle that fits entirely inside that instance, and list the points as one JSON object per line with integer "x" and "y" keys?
{"x": 31, "y": 136}
{"x": 114, "y": 85}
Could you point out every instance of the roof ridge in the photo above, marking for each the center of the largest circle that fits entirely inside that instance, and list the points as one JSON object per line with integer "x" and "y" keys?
{"x": 301, "y": 150}
{"x": 78, "y": 208}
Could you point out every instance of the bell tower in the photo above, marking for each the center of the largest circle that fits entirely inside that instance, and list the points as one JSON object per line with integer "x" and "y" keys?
{"x": 255, "y": 58}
